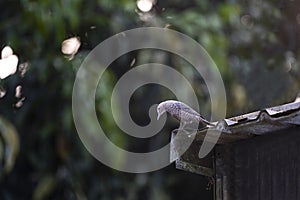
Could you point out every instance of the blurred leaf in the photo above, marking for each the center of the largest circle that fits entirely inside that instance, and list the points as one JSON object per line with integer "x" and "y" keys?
{"x": 9, "y": 146}
{"x": 230, "y": 12}
{"x": 44, "y": 188}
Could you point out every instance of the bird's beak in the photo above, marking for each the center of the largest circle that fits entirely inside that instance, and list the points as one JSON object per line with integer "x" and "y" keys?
{"x": 158, "y": 116}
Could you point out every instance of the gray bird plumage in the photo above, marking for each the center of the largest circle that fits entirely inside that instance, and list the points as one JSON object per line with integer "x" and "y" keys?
{"x": 181, "y": 112}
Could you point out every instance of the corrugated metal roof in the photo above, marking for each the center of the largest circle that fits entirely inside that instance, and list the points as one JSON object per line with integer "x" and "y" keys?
{"x": 264, "y": 122}
{"x": 257, "y": 155}
{"x": 255, "y": 123}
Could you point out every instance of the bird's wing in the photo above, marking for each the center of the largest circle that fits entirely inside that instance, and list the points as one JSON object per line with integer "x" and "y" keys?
{"x": 188, "y": 110}
{"x": 185, "y": 108}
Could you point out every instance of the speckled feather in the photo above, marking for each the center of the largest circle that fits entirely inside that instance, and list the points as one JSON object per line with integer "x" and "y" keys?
{"x": 181, "y": 111}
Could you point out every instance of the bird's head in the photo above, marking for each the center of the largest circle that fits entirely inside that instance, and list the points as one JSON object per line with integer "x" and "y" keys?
{"x": 160, "y": 110}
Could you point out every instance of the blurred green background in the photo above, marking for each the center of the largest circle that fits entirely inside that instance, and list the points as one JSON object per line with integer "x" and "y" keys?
{"x": 255, "y": 45}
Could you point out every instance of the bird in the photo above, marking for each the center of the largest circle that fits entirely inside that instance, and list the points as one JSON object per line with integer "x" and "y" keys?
{"x": 182, "y": 112}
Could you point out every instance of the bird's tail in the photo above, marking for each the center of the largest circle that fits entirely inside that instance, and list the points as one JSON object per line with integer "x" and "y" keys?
{"x": 206, "y": 122}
